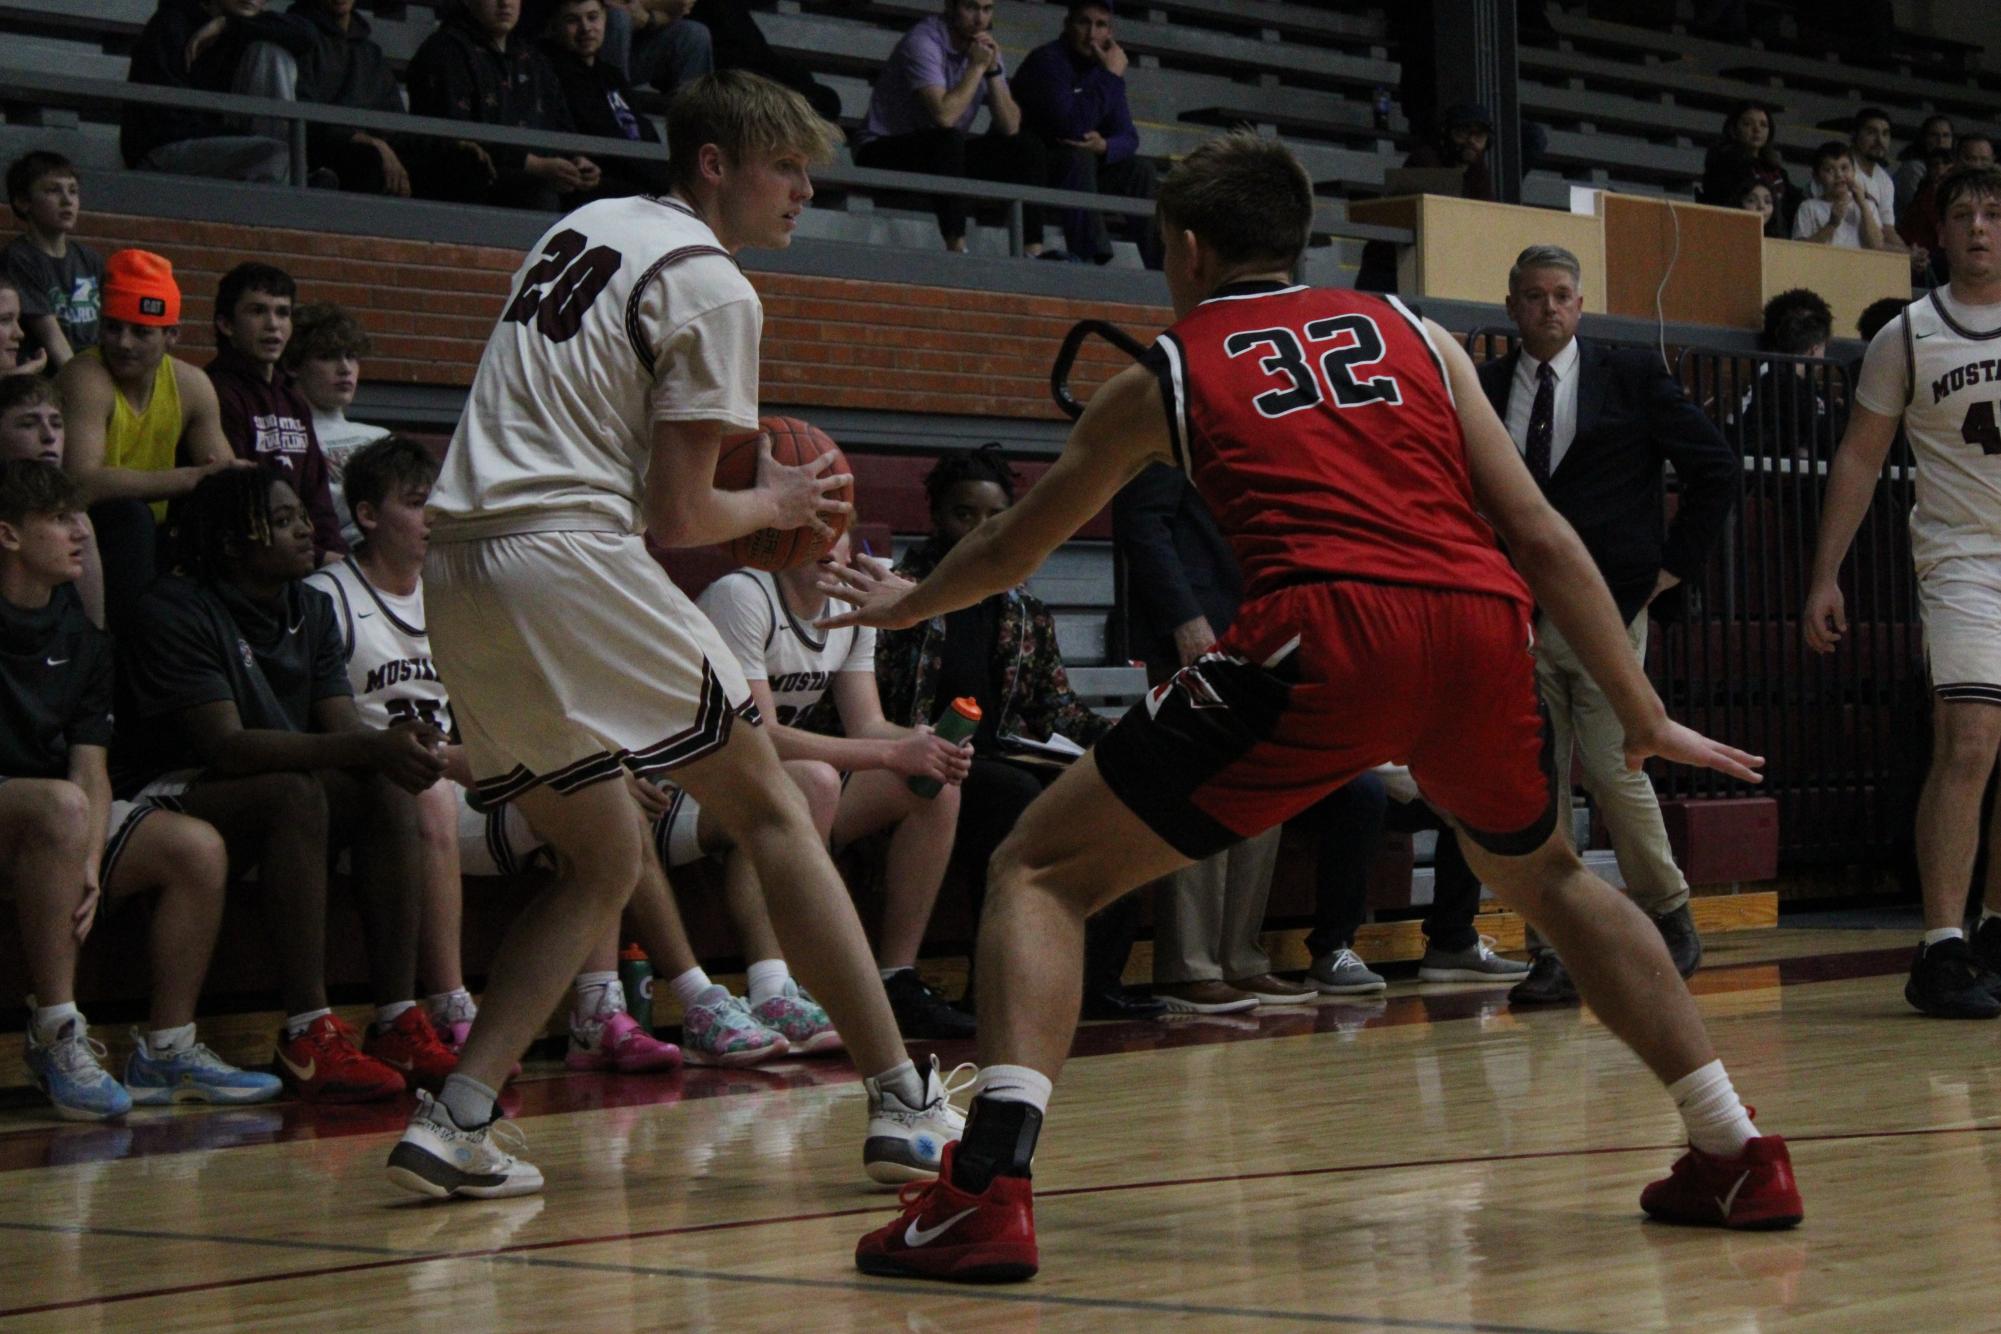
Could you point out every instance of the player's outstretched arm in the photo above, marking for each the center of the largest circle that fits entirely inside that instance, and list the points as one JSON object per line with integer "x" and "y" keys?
{"x": 1122, "y": 430}
{"x": 1851, "y": 482}
{"x": 1566, "y": 582}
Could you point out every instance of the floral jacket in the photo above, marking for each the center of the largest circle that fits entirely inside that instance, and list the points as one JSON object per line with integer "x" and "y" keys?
{"x": 1034, "y": 690}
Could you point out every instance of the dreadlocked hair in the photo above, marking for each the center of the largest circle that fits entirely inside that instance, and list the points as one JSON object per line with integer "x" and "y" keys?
{"x": 985, "y": 464}
{"x": 228, "y": 511}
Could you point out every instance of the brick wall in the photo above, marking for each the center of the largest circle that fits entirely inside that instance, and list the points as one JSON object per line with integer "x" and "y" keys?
{"x": 833, "y": 342}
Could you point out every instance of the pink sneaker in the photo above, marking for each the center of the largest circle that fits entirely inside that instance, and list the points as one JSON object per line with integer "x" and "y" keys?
{"x": 624, "y": 1046}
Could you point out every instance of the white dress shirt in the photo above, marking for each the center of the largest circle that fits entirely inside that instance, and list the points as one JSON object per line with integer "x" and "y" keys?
{"x": 1521, "y": 402}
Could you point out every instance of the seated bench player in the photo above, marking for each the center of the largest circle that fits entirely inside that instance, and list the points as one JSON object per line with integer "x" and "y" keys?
{"x": 767, "y": 621}
{"x": 69, "y": 849}
{"x": 236, "y": 708}
{"x": 31, "y": 427}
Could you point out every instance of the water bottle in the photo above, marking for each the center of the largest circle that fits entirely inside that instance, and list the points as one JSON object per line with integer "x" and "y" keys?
{"x": 1382, "y": 108}
{"x": 635, "y": 974}
{"x": 958, "y": 722}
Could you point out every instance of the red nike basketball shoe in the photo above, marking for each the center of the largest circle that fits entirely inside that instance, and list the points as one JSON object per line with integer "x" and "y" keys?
{"x": 1751, "y": 1191}
{"x": 945, "y": 1233}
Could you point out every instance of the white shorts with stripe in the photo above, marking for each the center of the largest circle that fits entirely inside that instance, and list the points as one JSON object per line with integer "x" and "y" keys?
{"x": 1962, "y": 619}
{"x": 126, "y": 817}
{"x": 570, "y": 654}
{"x": 499, "y": 841}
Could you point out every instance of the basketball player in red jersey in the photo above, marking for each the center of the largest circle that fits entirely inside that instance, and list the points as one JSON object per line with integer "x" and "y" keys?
{"x": 1347, "y": 451}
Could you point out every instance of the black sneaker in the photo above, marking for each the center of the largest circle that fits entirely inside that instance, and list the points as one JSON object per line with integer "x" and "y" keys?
{"x": 1548, "y": 983}
{"x": 1677, "y": 929}
{"x": 1986, "y": 946}
{"x": 921, "y": 1012}
{"x": 1947, "y": 983}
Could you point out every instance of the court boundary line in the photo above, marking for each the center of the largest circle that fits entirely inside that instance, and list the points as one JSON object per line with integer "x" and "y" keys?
{"x": 523, "y": 1253}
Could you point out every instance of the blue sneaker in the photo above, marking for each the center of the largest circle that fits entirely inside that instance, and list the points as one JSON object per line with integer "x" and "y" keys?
{"x": 68, "y": 1071}
{"x": 194, "y": 1075}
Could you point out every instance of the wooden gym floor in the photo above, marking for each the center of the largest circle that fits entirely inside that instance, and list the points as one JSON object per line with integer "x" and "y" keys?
{"x": 1427, "y": 1161}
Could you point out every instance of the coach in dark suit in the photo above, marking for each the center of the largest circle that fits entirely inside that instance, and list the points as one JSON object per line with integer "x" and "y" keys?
{"x": 1595, "y": 425}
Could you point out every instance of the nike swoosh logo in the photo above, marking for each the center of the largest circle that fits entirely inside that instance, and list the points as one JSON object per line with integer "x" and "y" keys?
{"x": 363, "y": 615}
{"x": 57, "y": 662}
{"x": 915, "y": 1236}
{"x": 302, "y": 1073}
{"x": 1919, "y": 338}
{"x": 1728, "y": 1200}
{"x": 293, "y": 629}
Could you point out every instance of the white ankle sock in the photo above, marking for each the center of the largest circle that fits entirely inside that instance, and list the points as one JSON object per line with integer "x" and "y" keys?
{"x": 165, "y": 1042}
{"x": 904, "y": 1081}
{"x": 1709, "y": 1106}
{"x": 766, "y": 978}
{"x": 445, "y": 1004}
{"x": 599, "y": 996}
{"x": 49, "y": 1019}
{"x": 299, "y": 1023}
{"x": 467, "y": 1101}
{"x": 1944, "y": 933}
{"x": 1014, "y": 1083}
{"x": 689, "y": 986}
{"x": 386, "y": 1015}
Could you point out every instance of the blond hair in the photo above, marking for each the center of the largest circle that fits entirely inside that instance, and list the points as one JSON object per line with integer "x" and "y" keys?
{"x": 743, "y": 114}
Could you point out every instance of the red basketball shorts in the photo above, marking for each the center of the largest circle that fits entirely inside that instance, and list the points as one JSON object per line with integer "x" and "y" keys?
{"x": 1318, "y": 683}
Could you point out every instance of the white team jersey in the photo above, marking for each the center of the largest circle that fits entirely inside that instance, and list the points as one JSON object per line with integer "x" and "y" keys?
{"x": 774, "y": 646}
{"x": 626, "y": 313}
{"x": 388, "y": 649}
{"x": 1943, "y": 375}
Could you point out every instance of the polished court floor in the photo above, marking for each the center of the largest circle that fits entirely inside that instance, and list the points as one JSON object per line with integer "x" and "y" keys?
{"x": 1429, "y": 1161}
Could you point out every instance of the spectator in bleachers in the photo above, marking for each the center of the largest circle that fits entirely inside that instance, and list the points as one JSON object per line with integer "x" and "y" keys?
{"x": 1746, "y": 146}
{"x": 478, "y": 67}
{"x": 1869, "y": 153}
{"x": 923, "y": 106}
{"x": 1787, "y": 412}
{"x": 1460, "y": 138}
{"x": 60, "y": 280}
{"x": 13, "y": 338}
{"x": 737, "y": 43}
{"x": 1185, "y": 586}
{"x": 236, "y": 708}
{"x": 142, "y": 427}
{"x": 1072, "y": 93}
{"x": 1874, "y": 316}
{"x": 656, "y": 43}
{"x": 1843, "y": 214}
{"x": 325, "y": 355}
{"x": 71, "y": 852}
{"x": 1596, "y": 426}
{"x": 1754, "y": 196}
{"x": 265, "y": 417}
{"x": 1922, "y": 159}
{"x": 1002, "y": 653}
{"x": 1919, "y": 226}
{"x": 211, "y": 46}
{"x": 767, "y": 621}
{"x": 599, "y": 98}
{"x": 344, "y": 67}
{"x": 31, "y": 427}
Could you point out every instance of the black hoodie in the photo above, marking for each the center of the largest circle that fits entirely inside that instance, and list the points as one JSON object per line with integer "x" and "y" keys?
{"x": 160, "y": 59}
{"x": 457, "y": 74}
{"x": 343, "y": 69}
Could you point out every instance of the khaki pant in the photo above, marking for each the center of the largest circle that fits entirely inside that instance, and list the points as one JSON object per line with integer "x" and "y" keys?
{"x": 1206, "y": 917}
{"x": 1580, "y": 714}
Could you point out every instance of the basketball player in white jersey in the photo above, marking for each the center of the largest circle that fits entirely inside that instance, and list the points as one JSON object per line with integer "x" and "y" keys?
{"x": 1937, "y": 371}
{"x": 626, "y": 351}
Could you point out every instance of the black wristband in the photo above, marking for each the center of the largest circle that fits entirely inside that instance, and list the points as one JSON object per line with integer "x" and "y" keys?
{"x": 993, "y": 72}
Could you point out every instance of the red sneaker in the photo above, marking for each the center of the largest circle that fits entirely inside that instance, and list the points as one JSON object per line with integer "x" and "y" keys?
{"x": 945, "y": 1233}
{"x": 411, "y": 1044}
{"x": 325, "y": 1064}
{"x": 1752, "y": 1191}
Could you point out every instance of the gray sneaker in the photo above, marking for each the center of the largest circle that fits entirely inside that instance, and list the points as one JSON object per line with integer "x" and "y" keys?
{"x": 1476, "y": 963}
{"x": 1342, "y": 973}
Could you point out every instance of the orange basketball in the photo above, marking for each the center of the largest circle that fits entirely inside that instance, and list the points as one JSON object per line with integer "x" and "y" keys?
{"x": 793, "y": 442}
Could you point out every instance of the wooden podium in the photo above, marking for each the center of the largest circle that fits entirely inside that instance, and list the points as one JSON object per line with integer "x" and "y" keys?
{"x": 1641, "y": 257}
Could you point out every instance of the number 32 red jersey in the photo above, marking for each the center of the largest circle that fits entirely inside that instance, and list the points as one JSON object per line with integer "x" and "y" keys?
{"x": 1318, "y": 426}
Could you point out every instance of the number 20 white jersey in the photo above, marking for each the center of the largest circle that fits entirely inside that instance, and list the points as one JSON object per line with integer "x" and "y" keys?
{"x": 627, "y": 312}
{"x": 1943, "y": 375}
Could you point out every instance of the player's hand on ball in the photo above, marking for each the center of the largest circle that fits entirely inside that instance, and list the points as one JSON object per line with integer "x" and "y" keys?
{"x": 802, "y": 494}
{"x": 874, "y": 590}
{"x": 1684, "y": 745}
{"x": 1826, "y": 618}
{"x": 925, "y": 754}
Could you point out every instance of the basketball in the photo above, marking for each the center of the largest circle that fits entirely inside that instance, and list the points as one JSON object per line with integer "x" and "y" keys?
{"x": 793, "y": 442}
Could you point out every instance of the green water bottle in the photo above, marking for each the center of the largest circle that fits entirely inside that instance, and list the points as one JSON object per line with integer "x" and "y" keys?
{"x": 635, "y": 974}
{"x": 955, "y": 725}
